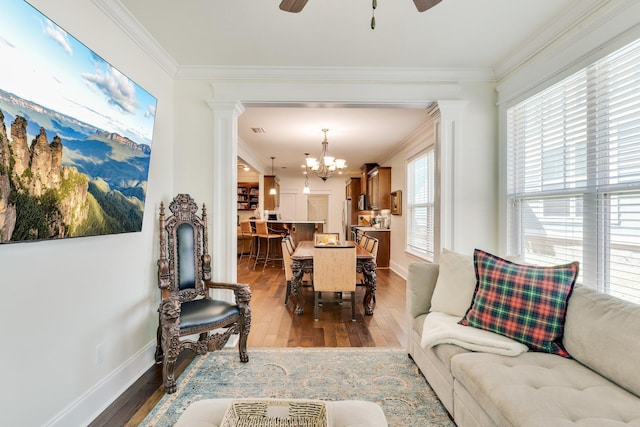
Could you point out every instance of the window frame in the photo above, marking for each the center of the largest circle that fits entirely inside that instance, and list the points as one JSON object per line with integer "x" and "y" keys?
{"x": 427, "y": 200}
{"x": 596, "y": 183}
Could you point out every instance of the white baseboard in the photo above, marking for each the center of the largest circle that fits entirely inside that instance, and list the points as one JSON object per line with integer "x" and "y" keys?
{"x": 87, "y": 407}
{"x": 399, "y": 270}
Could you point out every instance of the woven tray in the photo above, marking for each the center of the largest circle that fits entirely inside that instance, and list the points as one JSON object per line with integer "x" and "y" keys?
{"x": 275, "y": 413}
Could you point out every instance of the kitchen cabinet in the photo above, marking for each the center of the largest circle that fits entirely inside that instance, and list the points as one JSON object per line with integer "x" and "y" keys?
{"x": 379, "y": 188}
{"x": 271, "y": 201}
{"x": 364, "y": 176}
{"x": 248, "y": 196}
{"x": 352, "y": 190}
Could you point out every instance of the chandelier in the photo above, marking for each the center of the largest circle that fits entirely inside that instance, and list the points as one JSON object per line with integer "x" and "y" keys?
{"x": 326, "y": 166}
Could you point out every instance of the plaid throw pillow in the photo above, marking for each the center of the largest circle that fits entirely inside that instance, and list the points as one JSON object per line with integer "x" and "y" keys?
{"x": 525, "y": 303}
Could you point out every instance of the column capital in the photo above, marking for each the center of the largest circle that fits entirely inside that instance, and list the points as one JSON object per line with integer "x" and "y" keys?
{"x": 236, "y": 108}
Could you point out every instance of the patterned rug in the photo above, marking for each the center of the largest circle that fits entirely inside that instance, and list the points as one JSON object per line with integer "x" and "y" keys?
{"x": 385, "y": 376}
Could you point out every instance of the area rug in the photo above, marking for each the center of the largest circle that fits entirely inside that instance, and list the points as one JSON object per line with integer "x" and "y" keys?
{"x": 385, "y": 376}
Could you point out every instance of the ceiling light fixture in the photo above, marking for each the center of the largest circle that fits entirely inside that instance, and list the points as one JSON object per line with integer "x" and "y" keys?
{"x": 272, "y": 191}
{"x": 296, "y": 6}
{"x": 327, "y": 165}
{"x": 306, "y": 189}
{"x": 374, "y": 4}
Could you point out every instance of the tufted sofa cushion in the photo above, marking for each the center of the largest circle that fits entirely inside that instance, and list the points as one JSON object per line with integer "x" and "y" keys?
{"x": 539, "y": 389}
{"x": 603, "y": 332}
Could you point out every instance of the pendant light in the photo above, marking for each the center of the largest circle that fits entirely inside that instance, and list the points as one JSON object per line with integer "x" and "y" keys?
{"x": 272, "y": 191}
{"x": 306, "y": 189}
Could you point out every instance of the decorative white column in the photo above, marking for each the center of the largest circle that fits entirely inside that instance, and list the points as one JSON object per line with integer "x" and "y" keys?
{"x": 449, "y": 175}
{"x": 222, "y": 215}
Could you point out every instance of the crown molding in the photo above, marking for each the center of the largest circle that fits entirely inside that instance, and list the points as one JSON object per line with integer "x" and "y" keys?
{"x": 333, "y": 74}
{"x": 119, "y": 14}
{"x": 614, "y": 25}
{"x": 577, "y": 20}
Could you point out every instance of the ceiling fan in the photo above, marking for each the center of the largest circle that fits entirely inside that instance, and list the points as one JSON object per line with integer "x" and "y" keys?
{"x": 296, "y": 6}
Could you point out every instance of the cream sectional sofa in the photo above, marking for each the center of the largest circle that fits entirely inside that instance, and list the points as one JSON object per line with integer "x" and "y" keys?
{"x": 599, "y": 386}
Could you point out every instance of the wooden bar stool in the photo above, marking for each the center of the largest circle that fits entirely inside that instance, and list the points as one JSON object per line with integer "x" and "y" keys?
{"x": 246, "y": 232}
{"x": 263, "y": 235}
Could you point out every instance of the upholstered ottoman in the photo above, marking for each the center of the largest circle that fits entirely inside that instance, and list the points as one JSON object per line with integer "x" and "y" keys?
{"x": 342, "y": 413}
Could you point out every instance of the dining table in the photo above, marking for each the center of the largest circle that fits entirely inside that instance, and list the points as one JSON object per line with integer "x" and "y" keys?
{"x": 302, "y": 263}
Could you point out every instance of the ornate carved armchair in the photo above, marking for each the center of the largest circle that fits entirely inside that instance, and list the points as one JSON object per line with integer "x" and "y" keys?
{"x": 184, "y": 277}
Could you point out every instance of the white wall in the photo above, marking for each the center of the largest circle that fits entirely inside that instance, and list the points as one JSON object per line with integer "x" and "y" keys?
{"x": 476, "y": 172}
{"x": 474, "y": 186}
{"x": 193, "y": 145}
{"x": 64, "y": 298}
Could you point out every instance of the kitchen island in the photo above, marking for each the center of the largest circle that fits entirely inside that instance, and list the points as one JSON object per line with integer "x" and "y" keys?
{"x": 300, "y": 230}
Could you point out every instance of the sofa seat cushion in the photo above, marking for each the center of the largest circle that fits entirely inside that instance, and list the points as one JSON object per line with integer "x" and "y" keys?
{"x": 446, "y": 352}
{"x": 540, "y": 389}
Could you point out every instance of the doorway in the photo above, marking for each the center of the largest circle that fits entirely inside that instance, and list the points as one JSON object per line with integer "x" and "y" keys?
{"x": 318, "y": 207}
{"x": 288, "y": 203}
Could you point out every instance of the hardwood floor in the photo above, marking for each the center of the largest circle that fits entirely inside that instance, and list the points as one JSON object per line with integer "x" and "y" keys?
{"x": 275, "y": 325}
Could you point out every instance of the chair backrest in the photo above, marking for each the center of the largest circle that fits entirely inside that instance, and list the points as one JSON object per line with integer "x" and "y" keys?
{"x": 287, "y": 251}
{"x": 363, "y": 241}
{"x": 184, "y": 264}
{"x": 334, "y": 269}
{"x": 371, "y": 246}
{"x": 326, "y": 238}
{"x": 245, "y": 228}
{"x": 291, "y": 245}
{"x": 261, "y": 228}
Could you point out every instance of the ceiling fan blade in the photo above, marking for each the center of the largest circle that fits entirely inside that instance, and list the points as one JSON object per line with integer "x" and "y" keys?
{"x": 423, "y": 5}
{"x": 294, "y": 6}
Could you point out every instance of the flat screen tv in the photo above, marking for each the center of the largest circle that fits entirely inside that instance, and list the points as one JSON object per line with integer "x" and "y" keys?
{"x": 75, "y": 135}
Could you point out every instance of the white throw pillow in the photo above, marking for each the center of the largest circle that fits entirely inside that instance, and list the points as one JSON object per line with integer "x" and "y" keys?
{"x": 455, "y": 285}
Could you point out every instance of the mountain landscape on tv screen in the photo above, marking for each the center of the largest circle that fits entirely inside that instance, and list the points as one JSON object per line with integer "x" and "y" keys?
{"x": 61, "y": 177}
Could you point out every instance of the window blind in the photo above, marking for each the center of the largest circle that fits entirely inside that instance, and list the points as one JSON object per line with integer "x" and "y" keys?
{"x": 421, "y": 205}
{"x": 573, "y": 174}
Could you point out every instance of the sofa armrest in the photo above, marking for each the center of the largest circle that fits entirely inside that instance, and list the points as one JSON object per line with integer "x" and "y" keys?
{"x": 420, "y": 286}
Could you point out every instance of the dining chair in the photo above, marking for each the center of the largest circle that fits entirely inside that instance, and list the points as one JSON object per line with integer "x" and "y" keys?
{"x": 334, "y": 270}
{"x": 287, "y": 251}
{"x": 288, "y": 248}
{"x": 326, "y": 238}
{"x": 370, "y": 244}
{"x": 263, "y": 234}
{"x": 362, "y": 242}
